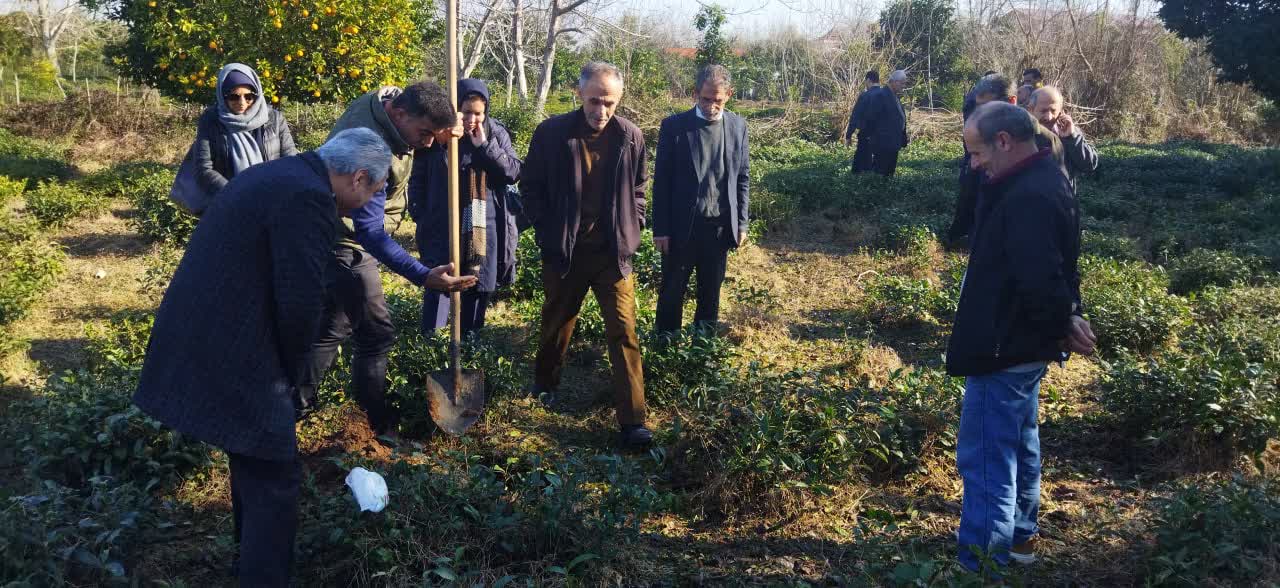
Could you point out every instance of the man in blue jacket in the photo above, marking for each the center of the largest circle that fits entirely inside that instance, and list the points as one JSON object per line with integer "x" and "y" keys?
{"x": 700, "y": 198}
{"x": 415, "y": 117}
{"x": 228, "y": 345}
{"x": 1019, "y": 311}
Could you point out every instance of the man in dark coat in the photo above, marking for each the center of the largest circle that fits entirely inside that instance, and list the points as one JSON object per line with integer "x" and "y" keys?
{"x": 356, "y": 307}
{"x": 1019, "y": 311}
{"x": 226, "y": 352}
{"x": 1046, "y": 105}
{"x": 583, "y": 185}
{"x": 489, "y": 164}
{"x": 701, "y": 190}
{"x": 886, "y": 124}
{"x": 857, "y": 121}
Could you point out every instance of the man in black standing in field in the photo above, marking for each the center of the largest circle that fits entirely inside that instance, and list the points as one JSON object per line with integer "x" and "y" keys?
{"x": 1079, "y": 157}
{"x": 862, "y": 154}
{"x": 226, "y": 352}
{"x": 1019, "y": 311}
{"x": 886, "y": 124}
{"x": 700, "y": 198}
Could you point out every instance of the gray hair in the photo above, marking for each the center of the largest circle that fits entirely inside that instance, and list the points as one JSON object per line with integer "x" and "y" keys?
{"x": 595, "y": 69}
{"x": 715, "y": 74}
{"x": 994, "y": 118}
{"x": 1046, "y": 91}
{"x": 898, "y": 75}
{"x": 357, "y": 149}
{"x": 994, "y": 85}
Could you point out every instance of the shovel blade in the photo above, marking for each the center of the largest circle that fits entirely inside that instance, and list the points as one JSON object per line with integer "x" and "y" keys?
{"x": 455, "y": 402}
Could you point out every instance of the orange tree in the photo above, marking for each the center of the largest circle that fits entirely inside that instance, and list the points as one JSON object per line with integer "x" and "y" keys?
{"x": 303, "y": 50}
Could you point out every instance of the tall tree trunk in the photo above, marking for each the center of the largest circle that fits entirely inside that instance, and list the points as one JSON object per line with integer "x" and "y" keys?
{"x": 517, "y": 26}
{"x": 75, "y": 58}
{"x": 510, "y": 75}
{"x": 548, "y": 62}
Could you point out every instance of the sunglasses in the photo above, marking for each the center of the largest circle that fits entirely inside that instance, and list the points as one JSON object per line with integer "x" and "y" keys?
{"x": 249, "y": 97}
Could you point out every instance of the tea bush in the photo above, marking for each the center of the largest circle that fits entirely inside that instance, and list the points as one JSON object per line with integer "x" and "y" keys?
{"x": 1204, "y": 267}
{"x": 901, "y": 301}
{"x": 55, "y": 205}
{"x": 28, "y": 268}
{"x": 1129, "y": 305}
{"x": 89, "y": 426}
{"x": 56, "y": 536}
{"x": 689, "y": 360}
{"x": 916, "y": 410}
{"x": 1222, "y": 533}
{"x": 158, "y": 218}
{"x": 30, "y": 160}
{"x": 121, "y": 179}
{"x": 1197, "y": 394}
{"x": 10, "y": 190}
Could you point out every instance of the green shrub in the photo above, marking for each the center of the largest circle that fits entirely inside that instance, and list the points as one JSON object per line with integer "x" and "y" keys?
{"x": 30, "y": 160}
{"x": 27, "y": 269}
{"x": 1101, "y": 244}
{"x": 520, "y": 123}
{"x": 1204, "y": 267}
{"x": 10, "y": 190}
{"x": 158, "y": 218}
{"x": 690, "y": 360}
{"x": 89, "y": 426}
{"x": 120, "y": 179}
{"x": 1223, "y": 533}
{"x": 57, "y": 536}
{"x": 916, "y": 410}
{"x": 1129, "y": 305}
{"x": 119, "y": 347}
{"x": 901, "y": 301}
{"x": 1194, "y": 396}
{"x": 55, "y": 205}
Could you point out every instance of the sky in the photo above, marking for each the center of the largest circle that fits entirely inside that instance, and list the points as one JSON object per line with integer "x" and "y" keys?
{"x": 755, "y": 18}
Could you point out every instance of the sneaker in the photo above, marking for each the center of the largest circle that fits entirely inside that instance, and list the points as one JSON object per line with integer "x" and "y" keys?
{"x": 636, "y": 437}
{"x": 1023, "y": 553}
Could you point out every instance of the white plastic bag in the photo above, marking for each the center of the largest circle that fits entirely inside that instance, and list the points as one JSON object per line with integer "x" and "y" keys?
{"x": 370, "y": 489}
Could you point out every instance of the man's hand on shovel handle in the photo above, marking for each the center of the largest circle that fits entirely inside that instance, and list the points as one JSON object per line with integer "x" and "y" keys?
{"x": 441, "y": 279}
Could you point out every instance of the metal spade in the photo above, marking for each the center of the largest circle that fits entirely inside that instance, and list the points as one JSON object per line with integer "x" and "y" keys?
{"x": 455, "y": 397}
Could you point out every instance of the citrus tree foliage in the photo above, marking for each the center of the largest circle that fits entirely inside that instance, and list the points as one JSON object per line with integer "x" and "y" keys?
{"x": 714, "y": 47}
{"x": 305, "y": 50}
{"x": 1241, "y": 37}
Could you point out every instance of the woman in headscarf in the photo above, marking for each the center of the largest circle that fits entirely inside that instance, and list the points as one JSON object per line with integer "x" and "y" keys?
{"x": 488, "y": 166}
{"x": 239, "y": 130}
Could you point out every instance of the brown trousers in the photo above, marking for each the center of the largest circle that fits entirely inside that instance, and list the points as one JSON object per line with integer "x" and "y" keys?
{"x": 596, "y": 271}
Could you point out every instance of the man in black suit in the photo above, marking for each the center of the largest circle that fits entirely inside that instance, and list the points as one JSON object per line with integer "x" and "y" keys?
{"x": 886, "y": 124}
{"x": 700, "y": 198}
{"x": 862, "y": 154}
{"x": 226, "y": 352}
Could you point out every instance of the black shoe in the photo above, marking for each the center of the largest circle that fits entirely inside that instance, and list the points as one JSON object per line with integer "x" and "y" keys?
{"x": 636, "y": 437}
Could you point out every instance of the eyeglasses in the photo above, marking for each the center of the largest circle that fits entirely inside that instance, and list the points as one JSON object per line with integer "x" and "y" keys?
{"x": 248, "y": 97}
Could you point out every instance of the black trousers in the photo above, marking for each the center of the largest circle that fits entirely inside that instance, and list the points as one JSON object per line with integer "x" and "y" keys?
{"x": 355, "y": 307}
{"x": 707, "y": 252}
{"x": 884, "y": 161}
{"x": 264, "y": 503}
{"x": 861, "y": 156}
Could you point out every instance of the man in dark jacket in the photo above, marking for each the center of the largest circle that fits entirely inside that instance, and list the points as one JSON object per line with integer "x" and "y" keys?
{"x": 583, "y": 185}
{"x": 886, "y": 124}
{"x": 1019, "y": 311}
{"x": 857, "y": 121}
{"x": 1046, "y": 105}
{"x": 701, "y": 195}
{"x": 227, "y": 348}
{"x": 489, "y": 166}
{"x": 355, "y": 306}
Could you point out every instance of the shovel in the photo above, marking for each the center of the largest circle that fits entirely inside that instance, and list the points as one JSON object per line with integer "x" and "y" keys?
{"x": 455, "y": 397}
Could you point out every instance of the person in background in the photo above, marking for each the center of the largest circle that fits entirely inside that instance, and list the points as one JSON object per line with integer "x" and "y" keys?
{"x": 862, "y": 154}
{"x": 238, "y": 131}
{"x": 583, "y": 186}
{"x": 226, "y": 351}
{"x": 1032, "y": 77}
{"x": 1046, "y": 105}
{"x": 970, "y": 101}
{"x": 886, "y": 124}
{"x": 413, "y": 118}
{"x": 1024, "y": 94}
{"x": 489, "y": 166}
{"x": 701, "y": 191}
{"x": 1019, "y": 310}
{"x": 989, "y": 88}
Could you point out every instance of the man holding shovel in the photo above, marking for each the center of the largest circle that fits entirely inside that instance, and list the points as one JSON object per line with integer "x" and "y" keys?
{"x": 408, "y": 119}
{"x": 584, "y": 188}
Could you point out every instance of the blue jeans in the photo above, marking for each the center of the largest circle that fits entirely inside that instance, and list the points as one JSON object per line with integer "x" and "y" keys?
{"x": 998, "y": 455}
